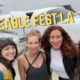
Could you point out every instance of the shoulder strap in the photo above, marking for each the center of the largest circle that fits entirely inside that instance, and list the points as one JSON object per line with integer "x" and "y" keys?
{"x": 36, "y": 57}
{"x": 26, "y": 57}
{"x": 43, "y": 55}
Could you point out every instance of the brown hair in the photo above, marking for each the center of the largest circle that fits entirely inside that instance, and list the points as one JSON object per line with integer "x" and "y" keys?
{"x": 77, "y": 70}
{"x": 33, "y": 33}
{"x": 68, "y": 47}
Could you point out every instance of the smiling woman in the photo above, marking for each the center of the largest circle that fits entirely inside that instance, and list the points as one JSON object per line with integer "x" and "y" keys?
{"x": 33, "y": 62}
{"x": 61, "y": 52}
{"x": 8, "y": 53}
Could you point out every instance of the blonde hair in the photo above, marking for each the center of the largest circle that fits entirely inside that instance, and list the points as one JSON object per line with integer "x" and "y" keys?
{"x": 33, "y": 33}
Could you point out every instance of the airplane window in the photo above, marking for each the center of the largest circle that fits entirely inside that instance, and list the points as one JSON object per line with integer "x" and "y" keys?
{"x": 64, "y": 16}
{"x": 29, "y": 14}
{"x": 58, "y": 10}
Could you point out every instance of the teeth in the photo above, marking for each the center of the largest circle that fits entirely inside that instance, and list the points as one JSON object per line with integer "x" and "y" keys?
{"x": 11, "y": 55}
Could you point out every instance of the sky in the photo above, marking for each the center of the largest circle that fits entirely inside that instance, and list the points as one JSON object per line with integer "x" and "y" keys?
{"x": 24, "y": 5}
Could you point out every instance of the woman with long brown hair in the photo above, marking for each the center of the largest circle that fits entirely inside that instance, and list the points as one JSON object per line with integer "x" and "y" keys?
{"x": 60, "y": 52}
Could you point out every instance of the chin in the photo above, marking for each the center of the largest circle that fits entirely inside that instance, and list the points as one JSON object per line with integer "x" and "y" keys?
{"x": 34, "y": 52}
{"x": 57, "y": 48}
{"x": 10, "y": 59}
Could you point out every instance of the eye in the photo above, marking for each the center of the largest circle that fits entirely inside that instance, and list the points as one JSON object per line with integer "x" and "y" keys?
{"x": 58, "y": 36}
{"x": 7, "y": 48}
{"x": 30, "y": 42}
{"x": 36, "y": 42}
{"x": 52, "y": 36}
{"x": 13, "y": 47}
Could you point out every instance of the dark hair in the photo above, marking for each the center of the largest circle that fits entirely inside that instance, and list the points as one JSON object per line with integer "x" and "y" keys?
{"x": 68, "y": 47}
{"x": 4, "y": 43}
{"x": 77, "y": 70}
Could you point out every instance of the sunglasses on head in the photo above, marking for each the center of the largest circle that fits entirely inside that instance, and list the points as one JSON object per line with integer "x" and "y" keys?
{"x": 4, "y": 38}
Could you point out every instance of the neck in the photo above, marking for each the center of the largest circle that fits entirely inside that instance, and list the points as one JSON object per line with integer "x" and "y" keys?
{"x": 55, "y": 49}
{"x": 32, "y": 54}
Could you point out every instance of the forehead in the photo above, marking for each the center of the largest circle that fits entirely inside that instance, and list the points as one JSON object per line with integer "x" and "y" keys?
{"x": 33, "y": 38}
{"x": 55, "y": 32}
{"x": 9, "y": 46}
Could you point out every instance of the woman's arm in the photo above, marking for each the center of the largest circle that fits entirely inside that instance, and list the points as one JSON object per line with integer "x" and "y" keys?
{"x": 21, "y": 68}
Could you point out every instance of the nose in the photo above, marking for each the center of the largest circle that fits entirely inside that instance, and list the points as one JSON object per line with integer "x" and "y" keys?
{"x": 55, "y": 39}
{"x": 33, "y": 45}
{"x": 11, "y": 50}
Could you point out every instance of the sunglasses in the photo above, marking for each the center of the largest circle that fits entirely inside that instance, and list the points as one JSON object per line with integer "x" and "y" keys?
{"x": 4, "y": 38}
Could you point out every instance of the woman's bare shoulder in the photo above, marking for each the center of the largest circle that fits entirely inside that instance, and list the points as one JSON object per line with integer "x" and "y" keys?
{"x": 43, "y": 54}
{"x": 21, "y": 58}
{"x": 22, "y": 61}
{"x": 2, "y": 68}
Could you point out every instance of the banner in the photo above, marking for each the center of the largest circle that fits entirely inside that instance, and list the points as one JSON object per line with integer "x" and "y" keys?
{"x": 18, "y": 17}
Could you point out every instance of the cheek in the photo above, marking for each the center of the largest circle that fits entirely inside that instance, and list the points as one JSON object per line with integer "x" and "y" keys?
{"x": 38, "y": 45}
{"x": 51, "y": 41}
{"x": 14, "y": 51}
{"x": 29, "y": 46}
{"x": 61, "y": 40}
{"x": 4, "y": 53}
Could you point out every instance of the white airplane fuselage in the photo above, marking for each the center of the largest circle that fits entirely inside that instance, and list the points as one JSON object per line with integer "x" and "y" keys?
{"x": 19, "y": 34}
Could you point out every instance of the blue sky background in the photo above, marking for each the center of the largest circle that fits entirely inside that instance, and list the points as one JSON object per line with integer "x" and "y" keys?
{"x": 24, "y": 5}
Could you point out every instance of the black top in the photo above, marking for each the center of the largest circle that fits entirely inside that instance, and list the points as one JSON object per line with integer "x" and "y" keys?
{"x": 37, "y": 73}
{"x": 13, "y": 72}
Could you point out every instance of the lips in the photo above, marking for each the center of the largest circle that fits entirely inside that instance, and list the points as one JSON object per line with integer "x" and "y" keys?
{"x": 33, "y": 49}
{"x": 11, "y": 55}
{"x": 56, "y": 44}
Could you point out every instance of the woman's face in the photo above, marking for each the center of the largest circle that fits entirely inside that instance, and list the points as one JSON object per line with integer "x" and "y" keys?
{"x": 56, "y": 39}
{"x": 33, "y": 44}
{"x": 9, "y": 52}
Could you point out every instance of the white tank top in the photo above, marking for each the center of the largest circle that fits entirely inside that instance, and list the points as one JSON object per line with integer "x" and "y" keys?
{"x": 57, "y": 63}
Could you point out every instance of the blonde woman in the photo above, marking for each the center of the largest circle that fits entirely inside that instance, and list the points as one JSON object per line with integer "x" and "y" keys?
{"x": 33, "y": 62}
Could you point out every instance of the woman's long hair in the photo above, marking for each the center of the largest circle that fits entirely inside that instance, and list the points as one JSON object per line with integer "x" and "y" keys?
{"x": 77, "y": 70}
{"x": 68, "y": 47}
{"x": 3, "y": 44}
